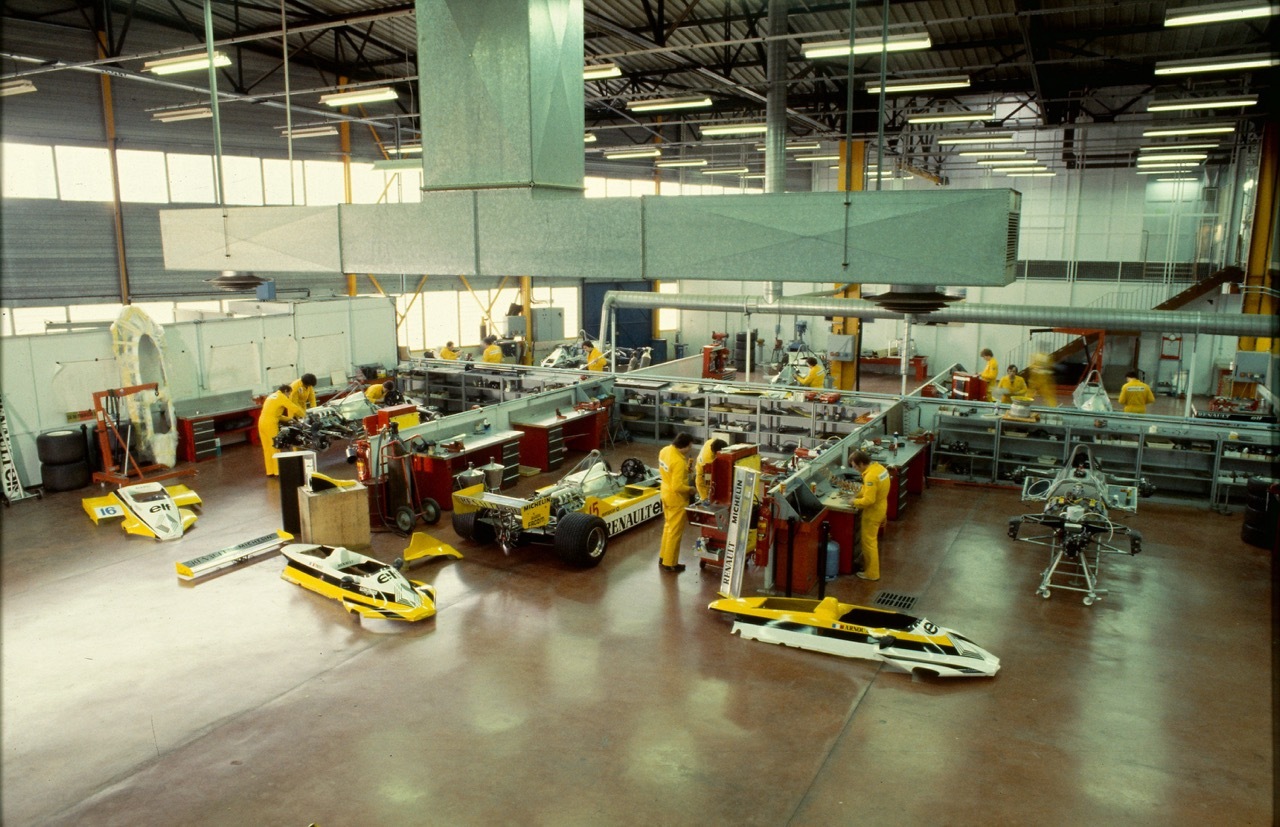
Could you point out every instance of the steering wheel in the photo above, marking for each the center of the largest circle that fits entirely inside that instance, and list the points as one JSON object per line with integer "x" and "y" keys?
{"x": 633, "y": 470}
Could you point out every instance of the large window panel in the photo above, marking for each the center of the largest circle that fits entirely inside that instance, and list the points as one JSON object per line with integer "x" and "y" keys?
{"x": 28, "y": 320}
{"x": 242, "y": 178}
{"x": 143, "y": 176}
{"x": 276, "y": 182}
{"x": 84, "y": 173}
{"x": 324, "y": 183}
{"x": 368, "y": 184}
{"x": 191, "y": 179}
{"x": 595, "y": 187}
{"x": 569, "y": 299}
{"x": 28, "y": 171}
{"x": 668, "y": 317}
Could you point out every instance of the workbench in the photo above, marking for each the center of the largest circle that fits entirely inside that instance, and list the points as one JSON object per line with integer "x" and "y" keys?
{"x": 920, "y": 364}
{"x": 206, "y": 423}
{"x": 548, "y": 437}
{"x": 433, "y": 472}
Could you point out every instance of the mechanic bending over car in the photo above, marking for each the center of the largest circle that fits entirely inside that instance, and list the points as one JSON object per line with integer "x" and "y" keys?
{"x": 449, "y": 352}
{"x": 674, "y": 489}
{"x": 701, "y": 470}
{"x": 873, "y": 502}
{"x": 276, "y": 408}
{"x": 816, "y": 377}
{"x": 303, "y": 391}
{"x": 377, "y": 393}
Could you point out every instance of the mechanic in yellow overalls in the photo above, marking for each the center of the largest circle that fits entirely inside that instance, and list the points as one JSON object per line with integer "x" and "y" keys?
{"x": 701, "y": 468}
{"x": 492, "y": 353}
{"x": 1135, "y": 395}
{"x": 816, "y": 377}
{"x": 1041, "y": 382}
{"x": 674, "y": 489}
{"x": 448, "y": 352}
{"x": 595, "y": 359}
{"x": 376, "y": 393}
{"x": 302, "y": 392}
{"x": 276, "y": 408}
{"x": 1011, "y": 385}
{"x": 873, "y": 501}
{"x": 991, "y": 372}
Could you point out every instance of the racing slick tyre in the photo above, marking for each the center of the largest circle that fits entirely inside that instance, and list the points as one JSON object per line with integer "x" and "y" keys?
{"x": 430, "y": 511}
{"x": 60, "y": 447}
{"x": 1258, "y": 485}
{"x": 470, "y": 528}
{"x": 1259, "y": 537}
{"x": 68, "y": 476}
{"x": 581, "y": 539}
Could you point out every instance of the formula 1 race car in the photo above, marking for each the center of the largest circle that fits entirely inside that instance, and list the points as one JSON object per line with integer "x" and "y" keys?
{"x": 910, "y": 644}
{"x": 339, "y": 419}
{"x": 364, "y": 586}
{"x": 577, "y": 515}
{"x": 148, "y": 508}
{"x": 1077, "y": 502}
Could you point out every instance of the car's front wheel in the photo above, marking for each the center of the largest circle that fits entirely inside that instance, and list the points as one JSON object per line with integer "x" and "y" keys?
{"x": 581, "y": 539}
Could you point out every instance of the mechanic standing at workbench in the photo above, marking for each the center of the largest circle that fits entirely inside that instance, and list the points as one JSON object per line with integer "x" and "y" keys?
{"x": 276, "y": 408}
{"x": 673, "y": 469}
{"x": 873, "y": 500}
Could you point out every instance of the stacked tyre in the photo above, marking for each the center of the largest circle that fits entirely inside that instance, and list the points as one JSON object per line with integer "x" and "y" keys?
{"x": 1261, "y": 512}
{"x": 64, "y": 459}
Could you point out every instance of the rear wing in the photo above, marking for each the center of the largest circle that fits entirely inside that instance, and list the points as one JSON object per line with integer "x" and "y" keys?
{"x": 231, "y": 555}
{"x": 532, "y": 513}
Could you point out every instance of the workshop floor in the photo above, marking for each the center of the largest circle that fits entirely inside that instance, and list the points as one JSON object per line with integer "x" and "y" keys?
{"x": 542, "y": 695}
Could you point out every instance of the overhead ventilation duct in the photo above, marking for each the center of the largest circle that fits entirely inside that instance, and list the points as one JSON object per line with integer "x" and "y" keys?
{"x": 234, "y": 281}
{"x": 911, "y": 299}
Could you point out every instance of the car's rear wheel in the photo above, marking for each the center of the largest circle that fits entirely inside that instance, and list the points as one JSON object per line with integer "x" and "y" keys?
{"x": 581, "y": 540}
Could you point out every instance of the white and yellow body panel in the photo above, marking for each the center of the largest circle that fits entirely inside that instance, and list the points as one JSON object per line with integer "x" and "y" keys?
{"x": 148, "y": 508}
{"x": 364, "y": 586}
{"x": 231, "y": 555}
{"x": 903, "y": 642}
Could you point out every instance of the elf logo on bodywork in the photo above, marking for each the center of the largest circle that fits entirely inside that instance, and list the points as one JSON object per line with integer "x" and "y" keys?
{"x": 160, "y": 507}
{"x": 624, "y": 520}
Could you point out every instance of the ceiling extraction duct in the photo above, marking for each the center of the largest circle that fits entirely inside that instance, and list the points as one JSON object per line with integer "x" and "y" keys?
{"x": 235, "y": 281}
{"x": 910, "y": 299}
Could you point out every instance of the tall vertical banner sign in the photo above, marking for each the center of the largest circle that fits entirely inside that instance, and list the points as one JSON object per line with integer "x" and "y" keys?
{"x": 740, "y": 525}
{"x": 13, "y": 490}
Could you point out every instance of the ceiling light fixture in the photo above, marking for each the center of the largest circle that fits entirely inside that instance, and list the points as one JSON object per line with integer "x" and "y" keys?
{"x": 405, "y": 149}
{"x": 1202, "y": 129}
{"x": 398, "y": 163}
{"x": 683, "y": 162}
{"x": 191, "y": 114}
{"x": 895, "y": 87}
{"x": 663, "y": 104}
{"x": 952, "y": 117}
{"x": 977, "y": 138}
{"x": 1007, "y": 162}
{"x": 796, "y": 147}
{"x": 1179, "y": 104}
{"x": 1168, "y": 164}
{"x": 991, "y": 153}
{"x": 309, "y": 132}
{"x": 725, "y": 171}
{"x": 753, "y": 176}
{"x": 735, "y": 129}
{"x": 1174, "y": 156}
{"x": 1237, "y": 63}
{"x": 1178, "y": 180}
{"x": 1219, "y": 12}
{"x": 184, "y": 63}
{"x": 1163, "y": 170}
{"x": 1172, "y": 146}
{"x": 1031, "y": 174}
{"x": 374, "y": 93}
{"x": 816, "y": 158}
{"x": 652, "y": 152}
{"x": 589, "y": 137}
{"x": 600, "y": 71}
{"x": 866, "y": 45}
{"x": 16, "y": 87}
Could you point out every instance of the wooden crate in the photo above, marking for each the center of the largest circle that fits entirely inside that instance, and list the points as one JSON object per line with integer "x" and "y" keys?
{"x": 337, "y": 517}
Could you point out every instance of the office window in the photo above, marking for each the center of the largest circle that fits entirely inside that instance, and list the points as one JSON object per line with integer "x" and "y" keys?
{"x": 28, "y": 171}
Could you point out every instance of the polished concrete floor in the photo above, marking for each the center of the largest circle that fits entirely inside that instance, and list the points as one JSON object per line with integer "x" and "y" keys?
{"x": 543, "y": 695}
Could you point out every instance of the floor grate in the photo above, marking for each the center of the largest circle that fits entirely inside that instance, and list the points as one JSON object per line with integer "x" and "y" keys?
{"x": 893, "y": 600}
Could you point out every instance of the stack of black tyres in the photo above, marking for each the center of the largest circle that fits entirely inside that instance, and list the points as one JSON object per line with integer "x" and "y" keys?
{"x": 1261, "y": 512}
{"x": 64, "y": 459}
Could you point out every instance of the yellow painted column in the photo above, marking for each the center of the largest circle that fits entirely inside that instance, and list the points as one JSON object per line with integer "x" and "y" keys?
{"x": 526, "y": 310}
{"x": 1262, "y": 242}
{"x": 850, "y": 174}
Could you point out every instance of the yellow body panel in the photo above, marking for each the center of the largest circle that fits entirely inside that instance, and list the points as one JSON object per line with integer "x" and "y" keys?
{"x": 424, "y": 545}
{"x": 357, "y": 603}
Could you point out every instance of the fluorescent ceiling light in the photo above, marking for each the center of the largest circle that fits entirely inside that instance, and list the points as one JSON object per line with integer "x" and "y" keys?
{"x": 1174, "y": 156}
{"x": 398, "y": 163}
{"x": 375, "y": 93}
{"x": 1203, "y": 129}
{"x": 1177, "y": 105}
{"x": 1219, "y": 13}
{"x": 662, "y": 104}
{"x": 1160, "y": 169}
{"x": 309, "y": 132}
{"x": 894, "y": 87}
{"x": 405, "y": 149}
{"x": 952, "y": 117}
{"x": 1008, "y": 162}
{"x": 1171, "y": 146}
{"x": 1178, "y": 180}
{"x": 1029, "y": 174}
{"x": 735, "y": 129}
{"x": 866, "y": 45}
{"x": 600, "y": 71}
{"x": 815, "y": 158}
{"x": 992, "y": 153}
{"x": 796, "y": 147}
{"x": 191, "y": 114}
{"x": 683, "y": 162}
{"x": 1168, "y": 164}
{"x": 185, "y": 63}
{"x": 16, "y": 87}
{"x": 978, "y": 138}
{"x": 589, "y": 137}
{"x": 1236, "y": 63}
{"x": 753, "y": 176}
{"x": 652, "y": 152}
{"x": 725, "y": 171}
